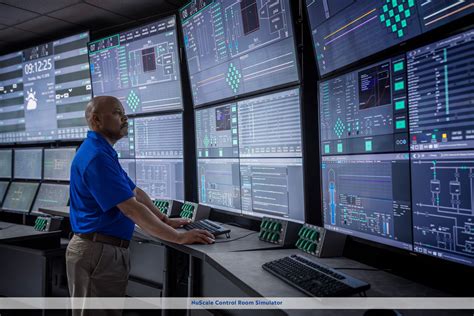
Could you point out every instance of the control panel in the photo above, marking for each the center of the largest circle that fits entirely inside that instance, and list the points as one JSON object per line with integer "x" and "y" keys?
{"x": 320, "y": 242}
{"x": 278, "y": 231}
{"x": 194, "y": 211}
{"x": 47, "y": 224}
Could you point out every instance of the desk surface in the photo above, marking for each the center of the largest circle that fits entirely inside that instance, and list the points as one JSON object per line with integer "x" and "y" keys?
{"x": 240, "y": 240}
{"x": 14, "y": 232}
{"x": 246, "y": 271}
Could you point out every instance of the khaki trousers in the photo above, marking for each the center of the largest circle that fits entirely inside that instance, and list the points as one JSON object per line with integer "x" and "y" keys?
{"x": 96, "y": 270}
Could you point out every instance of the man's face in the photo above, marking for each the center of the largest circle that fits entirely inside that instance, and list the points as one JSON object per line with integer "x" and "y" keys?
{"x": 113, "y": 121}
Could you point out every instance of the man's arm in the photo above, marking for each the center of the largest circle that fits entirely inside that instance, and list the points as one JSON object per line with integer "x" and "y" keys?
{"x": 142, "y": 216}
{"x": 143, "y": 198}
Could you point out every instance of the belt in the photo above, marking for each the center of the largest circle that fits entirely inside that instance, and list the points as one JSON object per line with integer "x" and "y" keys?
{"x": 114, "y": 241}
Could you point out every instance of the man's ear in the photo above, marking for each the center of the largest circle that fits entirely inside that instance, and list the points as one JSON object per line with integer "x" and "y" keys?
{"x": 96, "y": 120}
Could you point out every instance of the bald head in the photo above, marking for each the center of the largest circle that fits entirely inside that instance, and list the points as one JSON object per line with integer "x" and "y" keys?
{"x": 105, "y": 115}
{"x": 97, "y": 105}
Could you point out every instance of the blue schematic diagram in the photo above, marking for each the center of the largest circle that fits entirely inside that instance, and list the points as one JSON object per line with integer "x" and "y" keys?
{"x": 443, "y": 211}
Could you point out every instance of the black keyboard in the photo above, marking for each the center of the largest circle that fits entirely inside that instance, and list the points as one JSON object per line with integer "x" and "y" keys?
{"x": 210, "y": 226}
{"x": 313, "y": 278}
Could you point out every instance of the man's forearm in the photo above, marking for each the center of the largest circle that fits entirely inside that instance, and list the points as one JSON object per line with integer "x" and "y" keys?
{"x": 143, "y": 217}
{"x": 143, "y": 198}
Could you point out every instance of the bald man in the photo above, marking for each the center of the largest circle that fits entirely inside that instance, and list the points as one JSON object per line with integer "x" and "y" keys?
{"x": 105, "y": 204}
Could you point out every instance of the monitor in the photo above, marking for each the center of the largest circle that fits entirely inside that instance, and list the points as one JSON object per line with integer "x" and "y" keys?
{"x": 441, "y": 91}
{"x": 216, "y": 131}
{"x": 365, "y": 110}
{"x": 125, "y": 147}
{"x": 159, "y": 136}
{"x": 57, "y": 163}
{"x": 140, "y": 67}
{"x": 368, "y": 196}
{"x": 272, "y": 186}
{"x": 6, "y": 163}
{"x": 20, "y": 196}
{"x": 161, "y": 178}
{"x": 44, "y": 91}
{"x": 236, "y": 47}
{"x": 219, "y": 183}
{"x": 51, "y": 195}
{"x": 443, "y": 204}
{"x": 346, "y": 31}
{"x": 28, "y": 163}
{"x": 129, "y": 166}
{"x": 270, "y": 125}
{"x": 3, "y": 190}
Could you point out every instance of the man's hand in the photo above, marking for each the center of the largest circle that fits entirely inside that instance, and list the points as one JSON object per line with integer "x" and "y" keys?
{"x": 177, "y": 222}
{"x": 196, "y": 236}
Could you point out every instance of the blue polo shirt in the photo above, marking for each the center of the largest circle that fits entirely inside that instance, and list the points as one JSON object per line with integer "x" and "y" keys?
{"x": 98, "y": 184}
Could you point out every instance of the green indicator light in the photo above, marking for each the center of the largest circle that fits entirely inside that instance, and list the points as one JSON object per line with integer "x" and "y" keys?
{"x": 411, "y": 3}
{"x": 382, "y": 18}
{"x": 394, "y": 3}
{"x": 388, "y": 23}
{"x": 400, "y": 8}
{"x": 397, "y": 18}
{"x": 368, "y": 145}
{"x": 327, "y": 149}
{"x": 400, "y": 105}
{"x": 400, "y": 33}
{"x": 385, "y": 8}
{"x": 339, "y": 148}
{"x": 391, "y": 13}
{"x": 433, "y": 136}
{"x": 400, "y": 124}
{"x": 404, "y": 23}
{"x": 394, "y": 28}
{"x": 400, "y": 85}
{"x": 398, "y": 66}
{"x": 407, "y": 13}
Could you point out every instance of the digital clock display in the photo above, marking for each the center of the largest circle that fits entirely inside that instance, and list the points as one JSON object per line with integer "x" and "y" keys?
{"x": 38, "y": 66}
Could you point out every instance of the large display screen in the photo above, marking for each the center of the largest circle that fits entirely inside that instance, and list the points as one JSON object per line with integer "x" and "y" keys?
{"x": 250, "y": 156}
{"x": 440, "y": 81}
{"x": 368, "y": 196}
{"x": 20, "y": 196}
{"x": 44, "y": 91}
{"x": 57, "y": 163}
{"x": 6, "y": 163}
{"x": 365, "y": 111}
{"x": 443, "y": 204}
{"x": 161, "y": 178}
{"x": 345, "y": 31}
{"x": 140, "y": 67}
{"x": 28, "y": 163}
{"x": 235, "y": 47}
{"x": 51, "y": 195}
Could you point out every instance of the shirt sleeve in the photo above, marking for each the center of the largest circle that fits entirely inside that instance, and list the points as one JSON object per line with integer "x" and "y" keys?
{"x": 130, "y": 182}
{"x": 106, "y": 182}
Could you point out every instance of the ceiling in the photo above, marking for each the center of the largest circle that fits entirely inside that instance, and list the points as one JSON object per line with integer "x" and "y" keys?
{"x": 24, "y": 23}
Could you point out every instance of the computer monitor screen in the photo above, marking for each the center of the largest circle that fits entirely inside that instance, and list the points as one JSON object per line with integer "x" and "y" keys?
{"x": 129, "y": 166}
{"x": 219, "y": 183}
{"x": 365, "y": 111}
{"x": 6, "y": 164}
{"x": 51, "y": 195}
{"x": 20, "y": 196}
{"x": 28, "y": 163}
{"x": 368, "y": 196}
{"x": 140, "y": 67}
{"x": 3, "y": 190}
{"x": 159, "y": 136}
{"x": 235, "y": 47}
{"x": 441, "y": 93}
{"x": 44, "y": 91}
{"x": 216, "y": 131}
{"x": 57, "y": 163}
{"x": 161, "y": 178}
{"x": 272, "y": 186}
{"x": 125, "y": 147}
{"x": 270, "y": 125}
{"x": 443, "y": 204}
{"x": 346, "y": 31}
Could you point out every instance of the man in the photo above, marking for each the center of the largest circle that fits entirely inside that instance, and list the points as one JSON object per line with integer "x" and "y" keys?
{"x": 105, "y": 204}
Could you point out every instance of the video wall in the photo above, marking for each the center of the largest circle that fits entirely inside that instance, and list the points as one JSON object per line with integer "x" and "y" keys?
{"x": 396, "y": 135}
